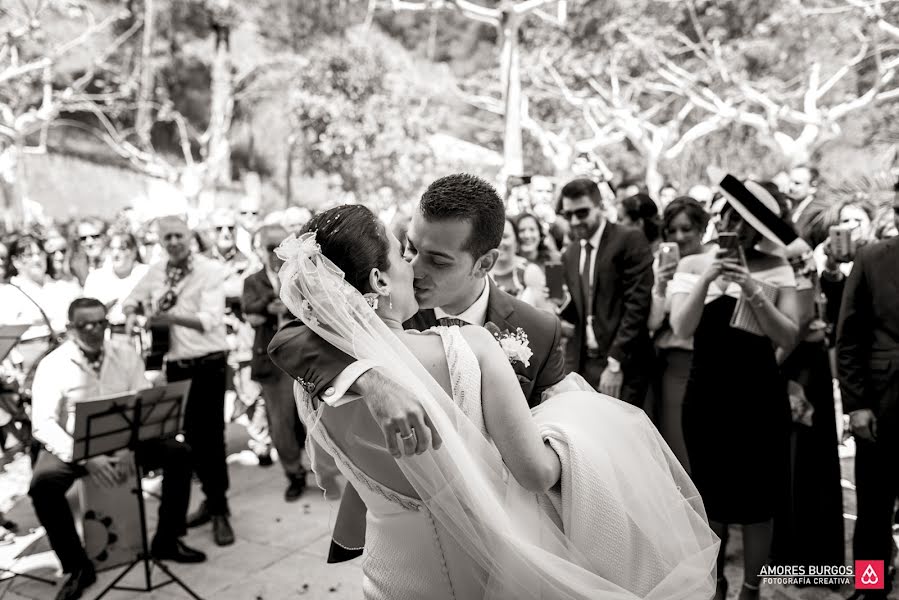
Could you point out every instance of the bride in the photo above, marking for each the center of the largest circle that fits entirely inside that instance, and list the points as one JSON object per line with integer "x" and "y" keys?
{"x": 579, "y": 499}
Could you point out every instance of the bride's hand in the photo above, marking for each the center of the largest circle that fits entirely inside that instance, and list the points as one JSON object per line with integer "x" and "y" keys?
{"x": 399, "y": 414}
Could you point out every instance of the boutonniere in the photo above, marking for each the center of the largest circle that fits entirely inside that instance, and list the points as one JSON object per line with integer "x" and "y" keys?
{"x": 516, "y": 345}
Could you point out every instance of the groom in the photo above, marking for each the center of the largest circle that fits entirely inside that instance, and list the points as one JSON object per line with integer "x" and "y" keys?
{"x": 452, "y": 245}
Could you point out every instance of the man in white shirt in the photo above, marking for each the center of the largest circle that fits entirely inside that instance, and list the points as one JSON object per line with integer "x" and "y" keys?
{"x": 82, "y": 368}
{"x": 186, "y": 293}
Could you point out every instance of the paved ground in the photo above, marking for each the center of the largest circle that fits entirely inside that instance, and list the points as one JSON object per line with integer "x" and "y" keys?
{"x": 280, "y": 548}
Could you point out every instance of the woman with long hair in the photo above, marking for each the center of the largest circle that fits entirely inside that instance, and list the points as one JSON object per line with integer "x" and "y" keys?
{"x": 642, "y": 212}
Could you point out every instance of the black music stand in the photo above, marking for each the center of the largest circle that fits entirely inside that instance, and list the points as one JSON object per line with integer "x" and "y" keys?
{"x": 114, "y": 423}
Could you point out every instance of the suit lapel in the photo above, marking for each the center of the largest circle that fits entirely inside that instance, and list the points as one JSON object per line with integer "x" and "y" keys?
{"x": 499, "y": 308}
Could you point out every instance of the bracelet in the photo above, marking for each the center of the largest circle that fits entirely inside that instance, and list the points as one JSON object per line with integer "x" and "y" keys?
{"x": 757, "y": 294}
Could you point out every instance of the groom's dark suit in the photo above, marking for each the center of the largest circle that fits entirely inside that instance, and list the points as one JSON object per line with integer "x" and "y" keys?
{"x": 315, "y": 363}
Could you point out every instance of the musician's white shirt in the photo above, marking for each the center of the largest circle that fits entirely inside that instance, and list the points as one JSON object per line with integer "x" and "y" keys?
{"x": 201, "y": 294}
{"x": 65, "y": 378}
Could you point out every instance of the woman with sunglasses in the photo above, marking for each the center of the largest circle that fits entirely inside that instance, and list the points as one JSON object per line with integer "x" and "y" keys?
{"x": 739, "y": 303}
{"x": 116, "y": 279}
{"x": 89, "y": 247}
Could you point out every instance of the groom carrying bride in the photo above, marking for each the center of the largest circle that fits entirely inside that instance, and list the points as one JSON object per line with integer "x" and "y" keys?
{"x": 452, "y": 245}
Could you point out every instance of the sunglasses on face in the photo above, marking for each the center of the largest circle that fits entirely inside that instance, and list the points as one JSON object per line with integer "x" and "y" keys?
{"x": 88, "y": 326}
{"x": 580, "y": 213}
{"x": 230, "y": 228}
{"x": 90, "y": 236}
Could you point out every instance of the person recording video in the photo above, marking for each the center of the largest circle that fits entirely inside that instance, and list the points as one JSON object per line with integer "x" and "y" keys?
{"x": 84, "y": 367}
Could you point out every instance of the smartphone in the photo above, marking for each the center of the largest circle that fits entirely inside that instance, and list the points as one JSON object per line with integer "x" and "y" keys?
{"x": 669, "y": 254}
{"x": 555, "y": 280}
{"x": 842, "y": 246}
{"x": 729, "y": 242}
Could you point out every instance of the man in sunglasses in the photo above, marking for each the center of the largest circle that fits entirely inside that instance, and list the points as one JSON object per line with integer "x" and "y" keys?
{"x": 608, "y": 269}
{"x": 266, "y": 313}
{"x": 84, "y": 367}
{"x": 91, "y": 235}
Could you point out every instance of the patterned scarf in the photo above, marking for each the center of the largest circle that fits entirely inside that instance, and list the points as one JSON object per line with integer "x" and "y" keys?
{"x": 174, "y": 274}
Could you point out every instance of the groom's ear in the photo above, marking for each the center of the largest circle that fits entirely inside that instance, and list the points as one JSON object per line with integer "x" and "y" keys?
{"x": 484, "y": 265}
{"x": 378, "y": 280}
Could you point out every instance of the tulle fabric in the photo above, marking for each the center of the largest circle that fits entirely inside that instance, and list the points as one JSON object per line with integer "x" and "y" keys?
{"x": 650, "y": 515}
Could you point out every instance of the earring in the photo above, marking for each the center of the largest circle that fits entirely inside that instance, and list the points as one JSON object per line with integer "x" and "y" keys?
{"x": 391, "y": 301}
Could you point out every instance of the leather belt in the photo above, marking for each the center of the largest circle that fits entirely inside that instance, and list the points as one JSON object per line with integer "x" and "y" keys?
{"x": 188, "y": 363}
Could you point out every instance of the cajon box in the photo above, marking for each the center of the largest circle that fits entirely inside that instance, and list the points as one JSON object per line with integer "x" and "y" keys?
{"x": 110, "y": 521}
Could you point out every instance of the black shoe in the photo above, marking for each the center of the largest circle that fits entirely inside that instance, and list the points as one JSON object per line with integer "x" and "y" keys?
{"x": 221, "y": 530}
{"x": 76, "y": 582}
{"x": 176, "y": 551}
{"x": 295, "y": 489}
{"x": 265, "y": 460}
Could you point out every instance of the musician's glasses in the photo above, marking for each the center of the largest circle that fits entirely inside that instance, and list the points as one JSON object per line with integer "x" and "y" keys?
{"x": 89, "y": 326}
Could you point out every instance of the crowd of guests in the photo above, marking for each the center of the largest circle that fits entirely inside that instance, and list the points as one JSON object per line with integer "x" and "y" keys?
{"x": 725, "y": 311}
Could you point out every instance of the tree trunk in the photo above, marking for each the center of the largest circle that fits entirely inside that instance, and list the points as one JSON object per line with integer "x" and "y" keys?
{"x": 144, "y": 119}
{"x": 218, "y": 150}
{"x": 10, "y": 184}
{"x": 654, "y": 179}
{"x": 511, "y": 85}
{"x": 292, "y": 141}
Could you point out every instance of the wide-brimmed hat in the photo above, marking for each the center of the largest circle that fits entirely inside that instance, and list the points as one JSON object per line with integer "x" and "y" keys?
{"x": 758, "y": 208}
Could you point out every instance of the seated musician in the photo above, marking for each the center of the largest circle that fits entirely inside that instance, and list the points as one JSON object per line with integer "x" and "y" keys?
{"x": 83, "y": 367}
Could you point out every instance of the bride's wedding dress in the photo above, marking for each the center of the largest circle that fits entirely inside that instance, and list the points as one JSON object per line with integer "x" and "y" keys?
{"x": 408, "y": 554}
{"x": 624, "y": 523}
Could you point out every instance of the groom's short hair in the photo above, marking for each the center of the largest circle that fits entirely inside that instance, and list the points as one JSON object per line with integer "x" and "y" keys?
{"x": 468, "y": 198}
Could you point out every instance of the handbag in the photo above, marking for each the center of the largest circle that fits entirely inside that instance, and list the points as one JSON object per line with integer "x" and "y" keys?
{"x": 744, "y": 318}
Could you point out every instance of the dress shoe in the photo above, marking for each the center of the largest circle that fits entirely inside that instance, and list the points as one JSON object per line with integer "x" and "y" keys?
{"x": 221, "y": 530}
{"x": 76, "y": 582}
{"x": 295, "y": 489}
{"x": 199, "y": 517}
{"x": 176, "y": 551}
{"x": 265, "y": 460}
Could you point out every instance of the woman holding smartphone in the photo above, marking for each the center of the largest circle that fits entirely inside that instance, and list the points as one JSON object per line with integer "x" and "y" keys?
{"x": 684, "y": 222}
{"x": 739, "y": 304}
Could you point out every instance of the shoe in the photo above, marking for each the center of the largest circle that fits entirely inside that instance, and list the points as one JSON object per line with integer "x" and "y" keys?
{"x": 200, "y": 517}
{"x": 221, "y": 530}
{"x": 265, "y": 460}
{"x": 295, "y": 489}
{"x": 76, "y": 582}
{"x": 176, "y": 551}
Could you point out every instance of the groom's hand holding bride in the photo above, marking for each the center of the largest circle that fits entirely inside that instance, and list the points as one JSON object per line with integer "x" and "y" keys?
{"x": 406, "y": 426}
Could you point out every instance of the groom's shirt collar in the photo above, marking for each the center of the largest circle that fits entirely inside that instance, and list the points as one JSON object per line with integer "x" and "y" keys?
{"x": 476, "y": 314}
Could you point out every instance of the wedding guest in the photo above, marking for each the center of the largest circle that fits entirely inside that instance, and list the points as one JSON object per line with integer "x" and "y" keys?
{"x": 856, "y": 216}
{"x": 736, "y": 410}
{"x": 667, "y": 194}
{"x": 609, "y": 273}
{"x": 683, "y": 222}
{"x": 59, "y": 255}
{"x": 884, "y": 225}
{"x": 533, "y": 243}
{"x": 41, "y": 301}
{"x": 90, "y": 247}
{"x": 508, "y": 271}
{"x": 116, "y": 279}
{"x": 804, "y": 185}
{"x": 82, "y": 368}
{"x": 186, "y": 293}
{"x": 641, "y": 211}
{"x": 868, "y": 353}
{"x": 810, "y": 531}
{"x": 4, "y": 262}
{"x": 266, "y": 313}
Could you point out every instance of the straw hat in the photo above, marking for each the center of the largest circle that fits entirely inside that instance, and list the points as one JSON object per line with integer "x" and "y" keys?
{"x": 758, "y": 208}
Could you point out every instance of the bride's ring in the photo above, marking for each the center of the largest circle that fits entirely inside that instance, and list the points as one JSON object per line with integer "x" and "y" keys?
{"x": 406, "y": 438}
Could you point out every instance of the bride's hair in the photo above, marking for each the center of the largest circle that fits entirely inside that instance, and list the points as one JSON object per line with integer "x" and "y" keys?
{"x": 353, "y": 238}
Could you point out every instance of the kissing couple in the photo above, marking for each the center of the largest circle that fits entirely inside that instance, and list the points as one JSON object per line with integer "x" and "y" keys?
{"x": 466, "y": 491}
